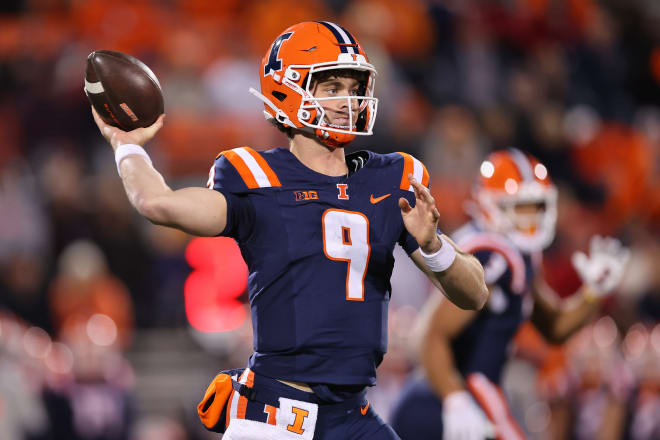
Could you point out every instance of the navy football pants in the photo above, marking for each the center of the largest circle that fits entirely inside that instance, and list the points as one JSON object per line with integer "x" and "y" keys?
{"x": 353, "y": 419}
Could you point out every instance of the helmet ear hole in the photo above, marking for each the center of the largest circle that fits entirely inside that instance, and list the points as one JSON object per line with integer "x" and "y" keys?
{"x": 304, "y": 115}
{"x": 278, "y": 95}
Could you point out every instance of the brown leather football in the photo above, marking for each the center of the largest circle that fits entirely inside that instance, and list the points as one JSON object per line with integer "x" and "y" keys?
{"x": 123, "y": 90}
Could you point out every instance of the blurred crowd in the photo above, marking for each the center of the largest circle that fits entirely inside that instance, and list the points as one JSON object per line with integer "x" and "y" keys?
{"x": 576, "y": 83}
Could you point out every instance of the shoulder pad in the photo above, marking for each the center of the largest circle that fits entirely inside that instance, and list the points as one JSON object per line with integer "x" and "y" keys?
{"x": 484, "y": 241}
{"x": 241, "y": 168}
{"x": 414, "y": 166}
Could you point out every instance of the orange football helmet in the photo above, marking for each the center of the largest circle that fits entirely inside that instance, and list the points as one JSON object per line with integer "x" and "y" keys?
{"x": 515, "y": 197}
{"x": 287, "y": 73}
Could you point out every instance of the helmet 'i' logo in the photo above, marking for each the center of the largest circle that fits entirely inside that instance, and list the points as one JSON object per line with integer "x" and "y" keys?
{"x": 274, "y": 63}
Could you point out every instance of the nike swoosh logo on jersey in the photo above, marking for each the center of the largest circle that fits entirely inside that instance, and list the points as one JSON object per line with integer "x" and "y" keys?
{"x": 375, "y": 200}
{"x": 366, "y": 407}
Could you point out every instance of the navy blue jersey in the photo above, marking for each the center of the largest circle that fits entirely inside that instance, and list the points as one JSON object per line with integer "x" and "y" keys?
{"x": 319, "y": 253}
{"x": 482, "y": 346}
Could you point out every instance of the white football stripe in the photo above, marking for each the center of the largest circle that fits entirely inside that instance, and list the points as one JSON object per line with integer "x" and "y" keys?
{"x": 523, "y": 165}
{"x": 233, "y": 409}
{"x": 95, "y": 87}
{"x": 418, "y": 172}
{"x": 341, "y": 32}
{"x": 497, "y": 406}
{"x": 479, "y": 241}
{"x": 254, "y": 167}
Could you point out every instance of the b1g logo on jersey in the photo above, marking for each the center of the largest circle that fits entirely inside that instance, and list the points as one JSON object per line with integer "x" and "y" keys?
{"x": 274, "y": 63}
{"x": 305, "y": 195}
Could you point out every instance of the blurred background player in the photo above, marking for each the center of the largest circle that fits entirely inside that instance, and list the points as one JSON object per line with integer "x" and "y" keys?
{"x": 317, "y": 229}
{"x": 514, "y": 212}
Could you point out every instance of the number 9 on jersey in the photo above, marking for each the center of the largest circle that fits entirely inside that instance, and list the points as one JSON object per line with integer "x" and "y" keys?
{"x": 346, "y": 238}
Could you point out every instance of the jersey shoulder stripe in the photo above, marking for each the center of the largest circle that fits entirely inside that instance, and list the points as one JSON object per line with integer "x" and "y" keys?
{"x": 414, "y": 166}
{"x": 483, "y": 241}
{"x": 252, "y": 167}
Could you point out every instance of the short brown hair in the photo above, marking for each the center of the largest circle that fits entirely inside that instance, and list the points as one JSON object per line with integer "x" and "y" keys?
{"x": 288, "y": 131}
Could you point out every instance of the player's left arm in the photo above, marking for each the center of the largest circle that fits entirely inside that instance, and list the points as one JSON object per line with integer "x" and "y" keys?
{"x": 601, "y": 272}
{"x": 463, "y": 281}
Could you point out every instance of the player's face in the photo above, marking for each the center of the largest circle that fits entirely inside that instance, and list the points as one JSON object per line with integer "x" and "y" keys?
{"x": 527, "y": 216}
{"x": 338, "y": 110}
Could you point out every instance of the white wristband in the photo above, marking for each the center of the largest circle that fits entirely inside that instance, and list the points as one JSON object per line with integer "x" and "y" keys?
{"x": 441, "y": 260}
{"x": 128, "y": 149}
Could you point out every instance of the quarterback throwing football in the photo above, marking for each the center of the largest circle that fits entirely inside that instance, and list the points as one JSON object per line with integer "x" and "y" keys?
{"x": 317, "y": 229}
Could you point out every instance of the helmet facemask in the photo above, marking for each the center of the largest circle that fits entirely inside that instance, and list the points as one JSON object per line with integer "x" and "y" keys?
{"x": 527, "y": 218}
{"x": 312, "y": 116}
{"x": 361, "y": 107}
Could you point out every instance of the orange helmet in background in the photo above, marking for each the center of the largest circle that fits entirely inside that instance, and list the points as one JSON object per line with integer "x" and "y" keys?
{"x": 514, "y": 196}
{"x": 287, "y": 73}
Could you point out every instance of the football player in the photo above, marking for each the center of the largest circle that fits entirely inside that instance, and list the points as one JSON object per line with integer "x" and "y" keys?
{"x": 514, "y": 211}
{"x": 317, "y": 229}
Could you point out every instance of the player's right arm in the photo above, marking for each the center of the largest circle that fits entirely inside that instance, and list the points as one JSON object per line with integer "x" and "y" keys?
{"x": 197, "y": 211}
